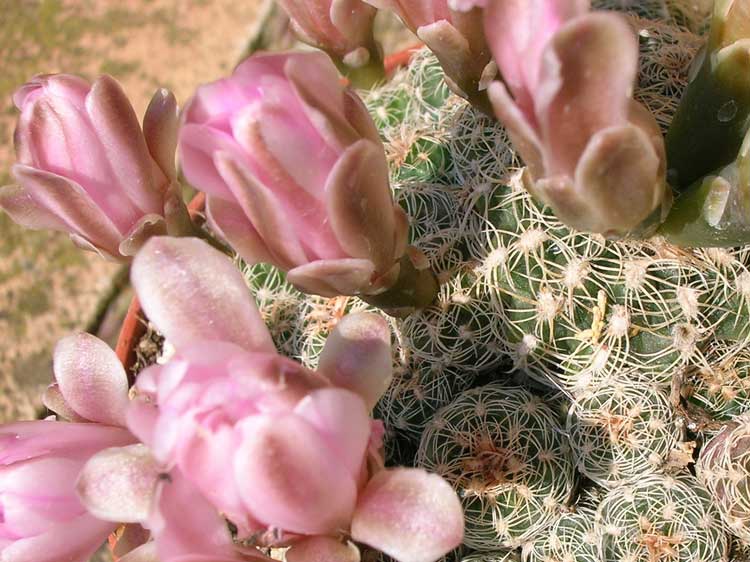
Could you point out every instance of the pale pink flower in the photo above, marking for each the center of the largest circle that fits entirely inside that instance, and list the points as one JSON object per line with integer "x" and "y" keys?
{"x": 85, "y": 166}
{"x": 232, "y": 428}
{"x": 226, "y": 393}
{"x": 453, "y": 30}
{"x": 342, "y": 28}
{"x": 41, "y": 517}
{"x": 296, "y": 174}
{"x": 594, "y": 154}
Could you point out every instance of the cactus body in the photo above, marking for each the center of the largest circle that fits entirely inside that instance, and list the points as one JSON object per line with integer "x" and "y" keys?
{"x": 571, "y": 538}
{"x": 660, "y": 518}
{"x": 502, "y": 448}
{"x": 621, "y": 431}
{"x": 724, "y": 467}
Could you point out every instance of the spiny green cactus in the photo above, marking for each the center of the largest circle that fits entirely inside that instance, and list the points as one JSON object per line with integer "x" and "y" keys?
{"x": 721, "y": 387}
{"x": 724, "y": 467}
{"x": 660, "y": 518}
{"x": 495, "y": 556}
{"x": 418, "y": 390}
{"x": 622, "y": 430}
{"x": 572, "y": 538}
{"x": 502, "y": 449}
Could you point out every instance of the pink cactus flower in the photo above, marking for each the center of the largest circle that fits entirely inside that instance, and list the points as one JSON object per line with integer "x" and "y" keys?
{"x": 41, "y": 518}
{"x": 594, "y": 155}
{"x": 258, "y": 423}
{"x": 289, "y": 447}
{"x": 85, "y": 166}
{"x": 342, "y": 28}
{"x": 453, "y": 30}
{"x": 226, "y": 393}
{"x": 296, "y": 175}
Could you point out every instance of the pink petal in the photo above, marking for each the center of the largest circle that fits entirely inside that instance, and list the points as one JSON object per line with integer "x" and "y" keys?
{"x": 118, "y": 484}
{"x": 24, "y": 210}
{"x": 61, "y": 139}
{"x": 316, "y": 82}
{"x": 331, "y": 278}
{"x": 409, "y": 514}
{"x": 53, "y": 400}
{"x": 271, "y": 182}
{"x": 71, "y": 204}
{"x": 141, "y": 417}
{"x": 341, "y": 418}
{"x": 360, "y": 205}
{"x": 357, "y": 356}
{"x": 207, "y": 458}
{"x": 74, "y": 541}
{"x": 518, "y": 31}
{"x": 289, "y": 132}
{"x": 215, "y": 102}
{"x": 276, "y": 383}
{"x": 91, "y": 379}
{"x": 231, "y": 223}
{"x": 582, "y": 91}
{"x": 197, "y": 146}
{"x": 264, "y": 210}
{"x": 322, "y": 549}
{"x": 288, "y": 477}
{"x": 67, "y": 85}
{"x": 120, "y": 133}
{"x": 26, "y": 440}
{"x": 187, "y": 527}
{"x": 192, "y": 292}
{"x": 144, "y": 553}
{"x": 39, "y": 494}
{"x": 160, "y": 124}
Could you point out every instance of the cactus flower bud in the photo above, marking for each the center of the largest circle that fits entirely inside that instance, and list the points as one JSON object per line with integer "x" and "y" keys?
{"x": 341, "y": 28}
{"x": 593, "y": 154}
{"x": 296, "y": 176}
{"x": 712, "y": 118}
{"x": 86, "y": 168}
{"x": 453, "y": 31}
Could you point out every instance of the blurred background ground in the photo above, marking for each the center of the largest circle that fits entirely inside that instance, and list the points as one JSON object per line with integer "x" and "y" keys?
{"x": 47, "y": 287}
